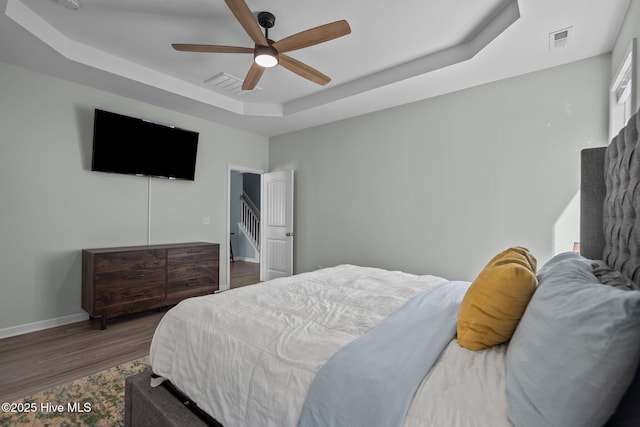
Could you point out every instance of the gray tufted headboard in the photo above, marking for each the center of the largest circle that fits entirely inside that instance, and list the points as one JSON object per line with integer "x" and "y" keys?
{"x": 610, "y": 202}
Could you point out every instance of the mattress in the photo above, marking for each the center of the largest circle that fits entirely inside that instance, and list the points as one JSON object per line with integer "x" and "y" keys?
{"x": 249, "y": 356}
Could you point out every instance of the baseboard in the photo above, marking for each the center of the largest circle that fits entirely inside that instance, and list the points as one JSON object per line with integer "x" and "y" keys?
{"x": 241, "y": 258}
{"x": 43, "y": 324}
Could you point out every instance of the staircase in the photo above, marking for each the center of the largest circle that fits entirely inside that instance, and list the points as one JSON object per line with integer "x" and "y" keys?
{"x": 249, "y": 223}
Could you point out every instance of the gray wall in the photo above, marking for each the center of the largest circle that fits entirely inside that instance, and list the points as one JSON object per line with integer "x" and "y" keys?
{"x": 52, "y": 205}
{"x": 439, "y": 186}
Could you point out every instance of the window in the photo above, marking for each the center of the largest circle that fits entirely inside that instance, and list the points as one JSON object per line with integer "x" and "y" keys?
{"x": 622, "y": 97}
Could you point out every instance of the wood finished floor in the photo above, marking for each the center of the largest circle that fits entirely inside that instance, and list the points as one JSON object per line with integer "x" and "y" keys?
{"x": 33, "y": 362}
{"x": 243, "y": 273}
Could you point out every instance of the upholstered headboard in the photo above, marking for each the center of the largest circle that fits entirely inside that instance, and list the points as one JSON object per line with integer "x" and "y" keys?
{"x": 610, "y": 202}
{"x": 610, "y": 225}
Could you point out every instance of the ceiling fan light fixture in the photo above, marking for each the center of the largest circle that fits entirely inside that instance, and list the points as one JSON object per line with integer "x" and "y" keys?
{"x": 266, "y": 56}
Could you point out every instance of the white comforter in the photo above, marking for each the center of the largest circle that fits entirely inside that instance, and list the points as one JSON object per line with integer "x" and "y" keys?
{"x": 248, "y": 356}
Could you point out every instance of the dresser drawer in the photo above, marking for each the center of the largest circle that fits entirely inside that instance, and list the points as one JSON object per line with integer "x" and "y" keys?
{"x": 129, "y": 261}
{"x": 118, "y": 294}
{"x": 186, "y": 288}
{"x": 183, "y": 259}
{"x": 129, "y": 269}
{"x": 129, "y": 279}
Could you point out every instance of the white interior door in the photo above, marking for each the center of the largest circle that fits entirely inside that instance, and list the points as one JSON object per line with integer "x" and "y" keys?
{"x": 276, "y": 254}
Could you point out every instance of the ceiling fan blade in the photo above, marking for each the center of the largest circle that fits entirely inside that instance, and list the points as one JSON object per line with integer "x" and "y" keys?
{"x": 313, "y": 36}
{"x": 244, "y": 16}
{"x": 211, "y": 48}
{"x": 253, "y": 77}
{"x": 303, "y": 70}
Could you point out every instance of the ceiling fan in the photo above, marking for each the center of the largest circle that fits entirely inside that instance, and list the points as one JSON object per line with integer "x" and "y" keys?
{"x": 268, "y": 53}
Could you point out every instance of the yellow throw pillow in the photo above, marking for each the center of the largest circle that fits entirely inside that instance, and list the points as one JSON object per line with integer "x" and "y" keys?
{"x": 497, "y": 299}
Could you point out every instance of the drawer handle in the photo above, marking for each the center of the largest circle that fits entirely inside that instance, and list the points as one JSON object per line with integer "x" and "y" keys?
{"x": 133, "y": 276}
{"x": 139, "y": 294}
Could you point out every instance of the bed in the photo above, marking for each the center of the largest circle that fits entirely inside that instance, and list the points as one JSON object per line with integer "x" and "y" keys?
{"x": 522, "y": 345}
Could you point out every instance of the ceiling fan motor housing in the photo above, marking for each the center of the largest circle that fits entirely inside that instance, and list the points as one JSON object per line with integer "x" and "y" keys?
{"x": 266, "y": 19}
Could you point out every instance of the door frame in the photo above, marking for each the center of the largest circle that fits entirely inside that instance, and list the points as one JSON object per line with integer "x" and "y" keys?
{"x": 241, "y": 169}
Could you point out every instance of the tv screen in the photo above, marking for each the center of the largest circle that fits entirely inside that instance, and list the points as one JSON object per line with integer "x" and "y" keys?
{"x": 127, "y": 145}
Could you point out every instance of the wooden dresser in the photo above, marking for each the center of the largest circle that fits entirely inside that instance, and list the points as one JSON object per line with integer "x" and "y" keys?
{"x": 119, "y": 281}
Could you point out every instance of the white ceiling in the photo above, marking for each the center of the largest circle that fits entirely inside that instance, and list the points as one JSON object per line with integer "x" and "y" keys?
{"x": 397, "y": 52}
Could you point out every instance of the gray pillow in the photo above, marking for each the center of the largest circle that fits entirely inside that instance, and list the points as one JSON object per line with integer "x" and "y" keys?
{"x": 575, "y": 350}
{"x": 628, "y": 412}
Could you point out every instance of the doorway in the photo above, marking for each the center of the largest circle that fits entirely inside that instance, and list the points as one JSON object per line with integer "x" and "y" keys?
{"x": 244, "y": 201}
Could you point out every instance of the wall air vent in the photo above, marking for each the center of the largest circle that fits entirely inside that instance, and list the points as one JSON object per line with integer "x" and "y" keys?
{"x": 229, "y": 83}
{"x": 560, "y": 39}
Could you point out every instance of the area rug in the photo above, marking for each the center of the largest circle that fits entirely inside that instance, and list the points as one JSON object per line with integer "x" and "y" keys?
{"x": 96, "y": 400}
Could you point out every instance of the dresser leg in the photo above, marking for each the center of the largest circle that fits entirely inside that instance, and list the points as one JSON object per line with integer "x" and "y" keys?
{"x": 103, "y": 322}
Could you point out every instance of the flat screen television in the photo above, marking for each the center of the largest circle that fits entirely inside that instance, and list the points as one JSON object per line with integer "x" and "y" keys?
{"x": 128, "y": 145}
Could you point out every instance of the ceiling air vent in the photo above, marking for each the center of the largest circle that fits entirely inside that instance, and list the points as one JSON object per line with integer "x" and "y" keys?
{"x": 229, "y": 83}
{"x": 561, "y": 38}
{"x": 70, "y": 4}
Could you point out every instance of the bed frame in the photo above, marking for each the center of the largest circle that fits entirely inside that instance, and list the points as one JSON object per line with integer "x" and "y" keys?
{"x": 162, "y": 406}
{"x": 609, "y": 230}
